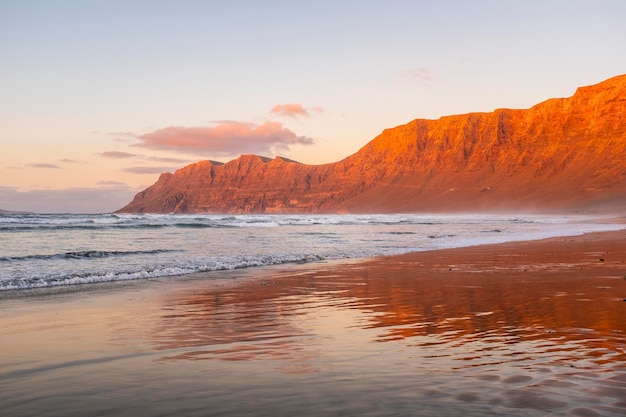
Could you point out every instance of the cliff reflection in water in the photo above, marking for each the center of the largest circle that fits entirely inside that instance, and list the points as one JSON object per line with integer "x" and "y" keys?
{"x": 421, "y": 333}
{"x": 481, "y": 310}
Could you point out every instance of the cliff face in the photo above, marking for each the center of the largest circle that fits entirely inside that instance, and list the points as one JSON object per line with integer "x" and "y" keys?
{"x": 562, "y": 154}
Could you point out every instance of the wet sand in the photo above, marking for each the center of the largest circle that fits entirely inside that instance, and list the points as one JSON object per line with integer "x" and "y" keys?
{"x": 518, "y": 329}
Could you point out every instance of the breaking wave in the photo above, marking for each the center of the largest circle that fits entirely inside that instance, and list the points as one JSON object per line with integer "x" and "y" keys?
{"x": 52, "y": 250}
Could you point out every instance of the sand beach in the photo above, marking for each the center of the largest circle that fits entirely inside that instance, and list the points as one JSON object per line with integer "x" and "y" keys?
{"x": 519, "y": 329}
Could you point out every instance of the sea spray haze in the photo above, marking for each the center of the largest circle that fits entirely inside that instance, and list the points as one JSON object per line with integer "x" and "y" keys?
{"x": 55, "y": 250}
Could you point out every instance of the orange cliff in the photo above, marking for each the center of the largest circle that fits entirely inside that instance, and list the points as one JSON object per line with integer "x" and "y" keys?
{"x": 563, "y": 154}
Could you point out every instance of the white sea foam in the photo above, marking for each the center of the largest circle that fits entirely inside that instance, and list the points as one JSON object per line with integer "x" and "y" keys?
{"x": 52, "y": 250}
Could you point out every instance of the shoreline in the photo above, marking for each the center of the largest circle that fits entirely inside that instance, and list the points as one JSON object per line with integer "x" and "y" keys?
{"x": 234, "y": 276}
{"x": 519, "y": 329}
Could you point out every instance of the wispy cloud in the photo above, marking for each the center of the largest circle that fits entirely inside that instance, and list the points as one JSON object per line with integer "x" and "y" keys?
{"x": 128, "y": 155}
{"x": 113, "y": 184}
{"x": 420, "y": 74}
{"x": 226, "y": 138}
{"x": 126, "y": 134}
{"x": 148, "y": 170}
{"x": 44, "y": 165}
{"x": 121, "y": 136}
{"x": 294, "y": 110}
{"x": 118, "y": 155}
{"x": 168, "y": 160}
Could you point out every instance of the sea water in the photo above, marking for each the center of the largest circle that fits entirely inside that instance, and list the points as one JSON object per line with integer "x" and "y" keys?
{"x": 378, "y": 339}
{"x": 68, "y": 249}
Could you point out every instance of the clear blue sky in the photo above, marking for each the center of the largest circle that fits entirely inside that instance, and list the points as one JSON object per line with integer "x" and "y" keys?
{"x": 98, "y": 97}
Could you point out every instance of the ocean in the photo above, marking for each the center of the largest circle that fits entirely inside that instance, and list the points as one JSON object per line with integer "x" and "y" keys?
{"x": 180, "y": 315}
{"x": 71, "y": 249}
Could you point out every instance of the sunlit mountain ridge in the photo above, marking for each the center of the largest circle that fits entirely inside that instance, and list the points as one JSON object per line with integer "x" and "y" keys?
{"x": 564, "y": 154}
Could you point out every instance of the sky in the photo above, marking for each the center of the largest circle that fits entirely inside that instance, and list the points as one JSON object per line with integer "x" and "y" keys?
{"x": 97, "y": 98}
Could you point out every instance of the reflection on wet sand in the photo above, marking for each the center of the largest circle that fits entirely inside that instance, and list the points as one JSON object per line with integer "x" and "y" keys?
{"x": 539, "y": 329}
{"x": 527, "y": 329}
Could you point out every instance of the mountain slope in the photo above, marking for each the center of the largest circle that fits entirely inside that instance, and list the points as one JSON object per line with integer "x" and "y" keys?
{"x": 562, "y": 154}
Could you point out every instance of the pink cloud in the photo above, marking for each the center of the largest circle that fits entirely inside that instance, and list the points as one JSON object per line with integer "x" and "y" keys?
{"x": 291, "y": 110}
{"x": 227, "y": 138}
{"x": 294, "y": 110}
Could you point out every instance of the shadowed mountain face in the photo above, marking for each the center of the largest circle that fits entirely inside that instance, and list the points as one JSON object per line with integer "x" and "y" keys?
{"x": 562, "y": 154}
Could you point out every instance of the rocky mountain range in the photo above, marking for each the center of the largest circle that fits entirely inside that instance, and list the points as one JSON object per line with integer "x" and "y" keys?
{"x": 564, "y": 154}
